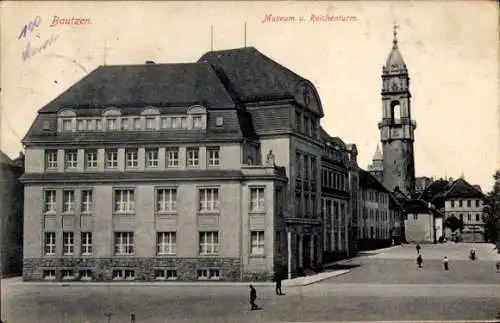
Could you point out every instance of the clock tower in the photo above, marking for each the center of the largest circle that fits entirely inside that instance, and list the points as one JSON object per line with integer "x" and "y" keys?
{"x": 397, "y": 128}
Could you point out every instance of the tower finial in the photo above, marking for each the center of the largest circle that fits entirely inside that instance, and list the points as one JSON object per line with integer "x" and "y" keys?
{"x": 395, "y": 40}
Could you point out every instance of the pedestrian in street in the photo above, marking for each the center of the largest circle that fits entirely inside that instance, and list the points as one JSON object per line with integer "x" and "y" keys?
{"x": 253, "y": 297}
{"x": 445, "y": 263}
{"x": 418, "y": 248}
{"x": 419, "y": 261}
{"x": 277, "y": 278}
{"x": 498, "y": 265}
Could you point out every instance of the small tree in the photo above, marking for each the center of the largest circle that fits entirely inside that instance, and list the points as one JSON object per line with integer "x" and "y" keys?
{"x": 491, "y": 211}
{"x": 453, "y": 223}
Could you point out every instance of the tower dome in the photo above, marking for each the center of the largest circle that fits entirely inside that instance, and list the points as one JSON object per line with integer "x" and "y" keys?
{"x": 395, "y": 60}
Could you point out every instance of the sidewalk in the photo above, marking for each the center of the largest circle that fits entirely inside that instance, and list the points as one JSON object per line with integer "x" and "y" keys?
{"x": 298, "y": 281}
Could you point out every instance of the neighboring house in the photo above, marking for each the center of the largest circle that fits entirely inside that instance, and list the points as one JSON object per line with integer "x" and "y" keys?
{"x": 11, "y": 216}
{"x": 458, "y": 198}
{"x": 197, "y": 171}
{"x": 423, "y": 222}
{"x": 379, "y": 214}
{"x": 335, "y": 197}
{"x": 466, "y": 202}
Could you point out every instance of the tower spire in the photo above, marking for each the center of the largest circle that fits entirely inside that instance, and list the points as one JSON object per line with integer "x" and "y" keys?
{"x": 395, "y": 33}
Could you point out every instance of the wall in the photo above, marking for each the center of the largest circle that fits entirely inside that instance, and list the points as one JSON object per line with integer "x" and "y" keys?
{"x": 420, "y": 229}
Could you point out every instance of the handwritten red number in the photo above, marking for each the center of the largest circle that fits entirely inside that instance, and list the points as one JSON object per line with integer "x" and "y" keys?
{"x": 29, "y": 26}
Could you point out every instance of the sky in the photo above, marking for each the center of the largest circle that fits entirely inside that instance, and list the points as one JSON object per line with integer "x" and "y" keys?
{"x": 450, "y": 48}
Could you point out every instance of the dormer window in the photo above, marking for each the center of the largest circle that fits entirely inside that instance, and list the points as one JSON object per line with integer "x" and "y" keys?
{"x": 111, "y": 124}
{"x": 98, "y": 124}
{"x": 91, "y": 124}
{"x": 137, "y": 123}
{"x": 150, "y": 123}
{"x": 124, "y": 125}
{"x": 81, "y": 125}
{"x": 197, "y": 122}
{"x": 66, "y": 125}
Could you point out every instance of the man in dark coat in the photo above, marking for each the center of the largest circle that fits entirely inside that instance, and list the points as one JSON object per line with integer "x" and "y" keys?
{"x": 419, "y": 261}
{"x": 418, "y": 248}
{"x": 253, "y": 297}
{"x": 277, "y": 278}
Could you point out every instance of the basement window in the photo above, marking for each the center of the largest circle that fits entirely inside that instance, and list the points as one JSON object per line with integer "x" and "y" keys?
{"x": 49, "y": 274}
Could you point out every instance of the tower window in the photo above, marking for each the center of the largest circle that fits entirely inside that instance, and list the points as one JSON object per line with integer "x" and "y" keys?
{"x": 395, "y": 112}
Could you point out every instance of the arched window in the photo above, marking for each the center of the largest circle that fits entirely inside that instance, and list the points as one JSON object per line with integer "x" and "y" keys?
{"x": 395, "y": 112}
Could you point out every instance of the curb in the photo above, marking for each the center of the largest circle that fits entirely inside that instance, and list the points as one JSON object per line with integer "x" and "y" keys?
{"x": 296, "y": 282}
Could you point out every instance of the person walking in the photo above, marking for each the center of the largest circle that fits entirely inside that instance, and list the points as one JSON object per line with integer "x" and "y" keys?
{"x": 419, "y": 261}
{"x": 278, "y": 284}
{"x": 445, "y": 263}
{"x": 418, "y": 248}
{"x": 253, "y": 297}
{"x": 498, "y": 265}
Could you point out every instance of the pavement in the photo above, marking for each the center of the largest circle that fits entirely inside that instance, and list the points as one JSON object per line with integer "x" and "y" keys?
{"x": 386, "y": 286}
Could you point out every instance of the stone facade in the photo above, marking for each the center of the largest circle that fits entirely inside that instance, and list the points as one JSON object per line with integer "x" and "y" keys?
{"x": 144, "y": 268}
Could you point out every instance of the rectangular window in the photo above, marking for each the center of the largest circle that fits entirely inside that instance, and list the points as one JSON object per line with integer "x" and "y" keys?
{"x": 137, "y": 123}
{"x": 111, "y": 158}
{"x": 124, "y": 201}
{"x": 257, "y": 243}
{"x": 314, "y": 172}
{"x": 257, "y": 200}
{"x": 166, "y": 243}
{"x": 469, "y": 217}
{"x": 98, "y": 124}
{"x": 209, "y": 243}
{"x": 298, "y": 165}
{"x": 123, "y": 274}
{"x": 86, "y": 201}
{"x": 91, "y": 158}
{"x": 67, "y": 125}
{"x": 193, "y": 157}
{"x": 86, "y": 247}
{"x": 166, "y": 123}
{"x": 208, "y": 274}
{"x": 460, "y": 203}
{"x": 298, "y": 121}
{"x": 70, "y": 158}
{"x": 91, "y": 124}
{"x": 172, "y": 157}
{"x": 50, "y": 243}
{"x": 306, "y": 125}
{"x": 150, "y": 123}
{"x": 306, "y": 167}
{"x": 469, "y": 203}
{"x": 452, "y": 203}
{"x": 50, "y": 201}
{"x": 68, "y": 243}
{"x": 213, "y": 157}
{"x": 209, "y": 200}
{"x": 176, "y": 122}
{"x": 132, "y": 158}
{"x": 477, "y": 217}
{"x": 68, "y": 201}
{"x": 51, "y": 159}
{"x": 165, "y": 274}
{"x": 152, "y": 157}
{"x": 124, "y": 123}
{"x": 166, "y": 200}
{"x": 111, "y": 124}
{"x": 49, "y": 274}
{"x": 124, "y": 243}
{"x": 184, "y": 123}
{"x": 313, "y": 128}
{"x": 86, "y": 274}
{"x": 197, "y": 122}
{"x": 477, "y": 203}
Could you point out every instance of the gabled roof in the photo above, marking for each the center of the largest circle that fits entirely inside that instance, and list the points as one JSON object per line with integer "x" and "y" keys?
{"x": 367, "y": 180}
{"x": 463, "y": 189}
{"x": 435, "y": 189}
{"x": 143, "y": 85}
